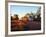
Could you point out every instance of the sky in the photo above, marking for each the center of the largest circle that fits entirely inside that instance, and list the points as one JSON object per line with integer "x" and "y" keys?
{"x": 22, "y": 10}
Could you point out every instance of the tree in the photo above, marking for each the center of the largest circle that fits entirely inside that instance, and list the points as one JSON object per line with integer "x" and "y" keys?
{"x": 31, "y": 13}
{"x": 16, "y": 16}
{"x": 27, "y": 14}
{"x": 11, "y": 18}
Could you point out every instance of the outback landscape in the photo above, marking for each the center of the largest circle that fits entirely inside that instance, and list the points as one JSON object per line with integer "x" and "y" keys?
{"x": 30, "y": 21}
